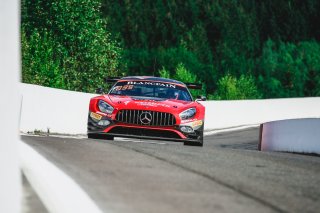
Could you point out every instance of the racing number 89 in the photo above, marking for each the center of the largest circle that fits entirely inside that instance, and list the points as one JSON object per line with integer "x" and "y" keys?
{"x": 125, "y": 87}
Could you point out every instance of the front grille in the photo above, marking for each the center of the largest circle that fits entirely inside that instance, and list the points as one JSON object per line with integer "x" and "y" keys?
{"x": 132, "y": 116}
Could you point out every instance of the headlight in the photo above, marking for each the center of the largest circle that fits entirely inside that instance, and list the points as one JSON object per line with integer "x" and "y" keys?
{"x": 189, "y": 113}
{"x": 105, "y": 107}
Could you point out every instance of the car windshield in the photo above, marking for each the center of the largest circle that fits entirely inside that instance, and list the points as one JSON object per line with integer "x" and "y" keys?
{"x": 151, "y": 89}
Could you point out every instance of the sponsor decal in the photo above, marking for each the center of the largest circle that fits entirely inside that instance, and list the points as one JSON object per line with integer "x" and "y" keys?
{"x": 197, "y": 123}
{"x": 188, "y": 121}
{"x": 95, "y": 116}
{"x": 193, "y": 123}
{"x": 151, "y": 83}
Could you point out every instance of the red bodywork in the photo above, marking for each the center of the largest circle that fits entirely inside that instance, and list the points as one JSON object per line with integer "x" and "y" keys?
{"x": 124, "y": 102}
{"x": 173, "y": 106}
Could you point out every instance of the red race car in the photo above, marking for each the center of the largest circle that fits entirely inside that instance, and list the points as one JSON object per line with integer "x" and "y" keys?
{"x": 150, "y": 108}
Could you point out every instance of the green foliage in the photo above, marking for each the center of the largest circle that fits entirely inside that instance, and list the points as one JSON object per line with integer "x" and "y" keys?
{"x": 149, "y": 62}
{"x": 75, "y": 31}
{"x": 310, "y": 55}
{"x": 232, "y": 88}
{"x": 290, "y": 70}
{"x": 164, "y": 73}
{"x": 218, "y": 42}
{"x": 183, "y": 75}
{"x": 40, "y": 64}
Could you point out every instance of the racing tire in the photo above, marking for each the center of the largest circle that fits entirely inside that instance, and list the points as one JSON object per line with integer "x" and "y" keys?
{"x": 100, "y": 136}
{"x": 195, "y": 143}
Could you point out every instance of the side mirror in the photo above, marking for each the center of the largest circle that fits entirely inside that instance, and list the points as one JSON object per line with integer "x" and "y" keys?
{"x": 201, "y": 98}
{"x": 99, "y": 91}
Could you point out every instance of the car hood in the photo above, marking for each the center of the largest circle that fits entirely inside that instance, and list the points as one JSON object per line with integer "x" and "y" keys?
{"x": 148, "y": 103}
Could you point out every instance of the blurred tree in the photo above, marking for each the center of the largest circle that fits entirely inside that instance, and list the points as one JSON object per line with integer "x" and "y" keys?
{"x": 231, "y": 88}
{"x": 271, "y": 41}
{"x": 39, "y": 64}
{"x": 289, "y": 70}
{"x": 78, "y": 28}
{"x": 185, "y": 76}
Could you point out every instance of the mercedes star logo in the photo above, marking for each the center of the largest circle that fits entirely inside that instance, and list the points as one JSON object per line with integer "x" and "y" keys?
{"x": 145, "y": 118}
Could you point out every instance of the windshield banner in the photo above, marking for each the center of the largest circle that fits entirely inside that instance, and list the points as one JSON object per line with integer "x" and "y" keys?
{"x": 151, "y": 83}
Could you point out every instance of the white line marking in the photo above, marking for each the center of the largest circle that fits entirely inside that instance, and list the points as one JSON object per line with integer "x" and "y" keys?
{"x": 55, "y": 135}
{"x": 58, "y": 192}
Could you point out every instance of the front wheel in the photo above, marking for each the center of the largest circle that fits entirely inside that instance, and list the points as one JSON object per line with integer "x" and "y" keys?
{"x": 196, "y": 143}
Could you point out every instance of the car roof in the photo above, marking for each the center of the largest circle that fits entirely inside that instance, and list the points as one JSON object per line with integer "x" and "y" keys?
{"x": 152, "y": 78}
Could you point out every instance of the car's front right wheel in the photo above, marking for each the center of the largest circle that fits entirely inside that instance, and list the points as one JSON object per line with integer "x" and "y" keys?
{"x": 193, "y": 143}
{"x": 199, "y": 142}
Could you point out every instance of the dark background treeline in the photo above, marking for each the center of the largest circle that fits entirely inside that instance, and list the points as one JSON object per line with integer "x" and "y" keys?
{"x": 238, "y": 49}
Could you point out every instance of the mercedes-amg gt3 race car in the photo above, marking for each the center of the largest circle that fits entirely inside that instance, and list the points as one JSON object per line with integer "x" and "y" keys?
{"x": 150, "y": 108}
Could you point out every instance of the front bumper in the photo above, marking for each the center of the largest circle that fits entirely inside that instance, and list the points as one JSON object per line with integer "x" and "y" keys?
{"x": 118, "y": 129}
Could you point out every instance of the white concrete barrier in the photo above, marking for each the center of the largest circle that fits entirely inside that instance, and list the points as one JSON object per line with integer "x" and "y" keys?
{"x": 61, "y": 111}
{"x": 10, "y": 181}
{"x": 57, "y": 191}
{"x": 66, "y": 111}
{"x": 226, "y": 114}
{"x": 296, "y": 135}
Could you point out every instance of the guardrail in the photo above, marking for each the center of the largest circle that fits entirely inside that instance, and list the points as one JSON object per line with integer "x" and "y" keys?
{"x": 62, "y": 111}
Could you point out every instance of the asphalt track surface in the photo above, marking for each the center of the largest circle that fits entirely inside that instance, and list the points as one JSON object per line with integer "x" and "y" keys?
{"x": 228, "y": 174}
